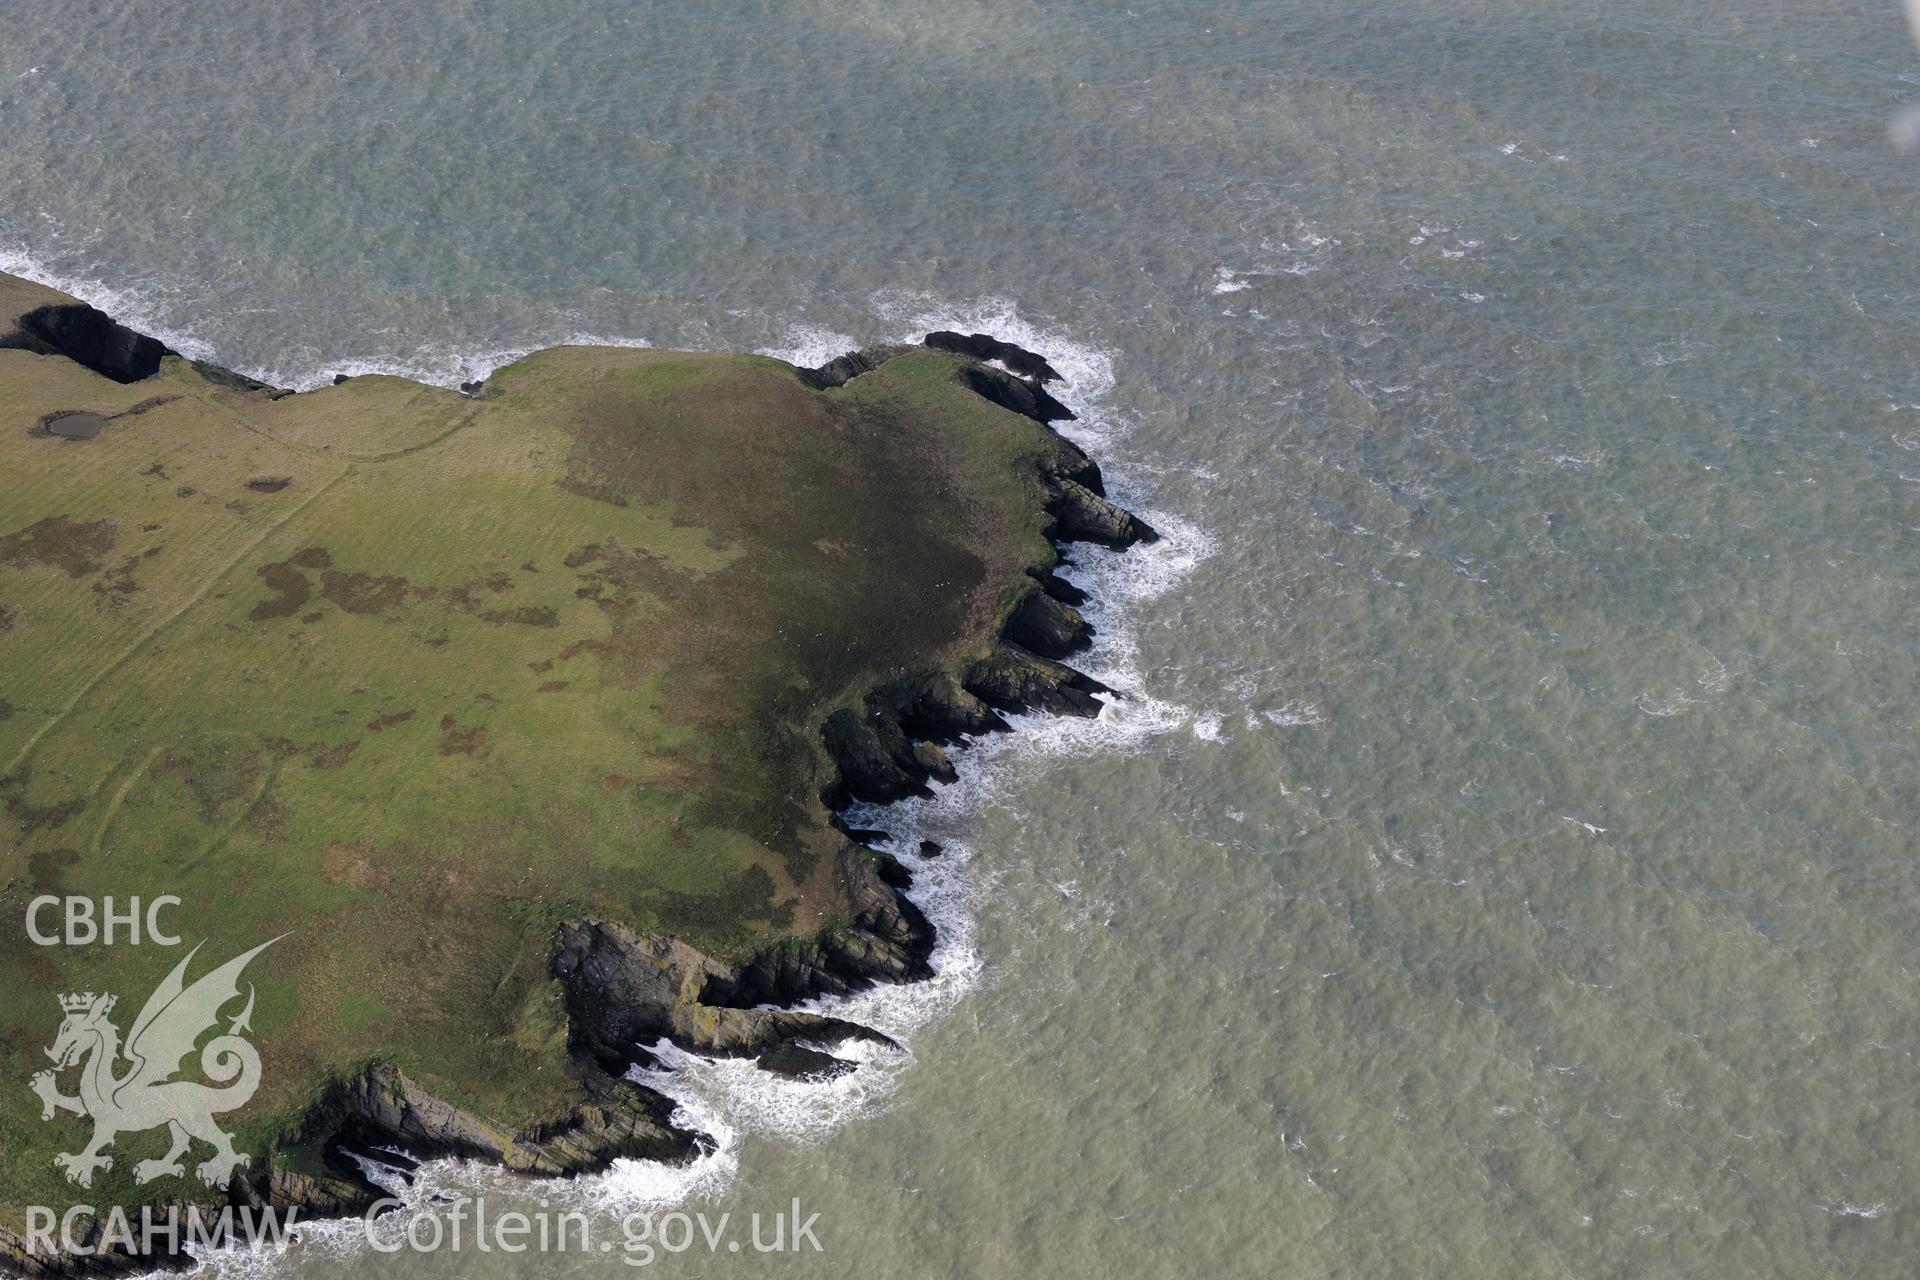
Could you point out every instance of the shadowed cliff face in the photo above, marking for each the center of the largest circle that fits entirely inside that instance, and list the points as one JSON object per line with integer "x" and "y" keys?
{"x": 87, "y": 337}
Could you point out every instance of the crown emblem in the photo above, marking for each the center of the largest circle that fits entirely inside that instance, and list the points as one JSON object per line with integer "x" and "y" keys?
{"x": 80, "y": 1002}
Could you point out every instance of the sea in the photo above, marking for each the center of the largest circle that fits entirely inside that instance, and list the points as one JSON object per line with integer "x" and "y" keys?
{"x": 1503, "y": 859}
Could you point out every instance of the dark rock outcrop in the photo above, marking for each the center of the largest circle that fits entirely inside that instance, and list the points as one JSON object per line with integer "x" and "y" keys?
{"x": 380, "y": 1107}
{"x": 1009, "y": 392}
{"x": 874, "y": 754}
{"x": 1059, "y": 588}
{"x": 841, "y": 370}
{"x": 94, "y": 340}
{"x": 1024, "y": 394}
{"x": 984, "y": 346}
{"x": 1013, "y": 679}
{"x": 619, "y": 1119}
{"x": 1082, "y": 515}
{"x": 865, "y": 837}
{"x": 892, "y": 872}
{"x": 1049, "y": 628}
{"x": 886, "y": 940}
{"x": 222, "y": 376}
{"x": 891, "y": 745}
{"x": 625, "y": 989}
{"x": 88, "y": 337}
{"x": 798, "y": 1062}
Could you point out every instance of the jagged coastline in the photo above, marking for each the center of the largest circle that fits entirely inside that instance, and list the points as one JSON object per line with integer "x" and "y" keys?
{"x": 624, "y": 988}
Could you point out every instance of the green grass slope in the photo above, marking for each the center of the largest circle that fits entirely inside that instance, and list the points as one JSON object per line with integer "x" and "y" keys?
{"x": 412, "y": 677}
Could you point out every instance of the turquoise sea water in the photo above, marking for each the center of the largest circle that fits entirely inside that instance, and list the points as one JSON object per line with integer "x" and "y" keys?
{"x": 1509, "y": 862}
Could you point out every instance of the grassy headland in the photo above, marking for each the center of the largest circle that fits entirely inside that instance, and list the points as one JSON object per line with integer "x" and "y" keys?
{"x": 418, "y": 679}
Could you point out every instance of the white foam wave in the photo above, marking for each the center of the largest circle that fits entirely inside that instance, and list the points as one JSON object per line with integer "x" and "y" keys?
{"x": 137, "y": 307}
{"x": 1295, "y": 715}
{"x": 1226, "y": 280}
{"x": 146, "y": 309}
{"x": 810, "y": 346}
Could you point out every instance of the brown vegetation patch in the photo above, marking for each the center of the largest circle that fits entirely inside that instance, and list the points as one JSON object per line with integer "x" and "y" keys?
{"x": 362, "y": 592}
{"x": 6, "y": 709}
{"x": 291, "y": 591}
{"x": 750, "y": 895}
{"x": 552, "y": 686}
{"x": 357, "y": 865}
{"x": 43, "y": 817}
{"x": 527, "y": 615}
{"x": 46, "y": 870}
{"x": 596, "y": 490}
{"x": 269, "y": 818}
{"x": 117, "y": 584}
{"x": 66, "y": 544}
{"x": 291, "y": 588}
{"x": 456, "y": 741}
{"x": 541, "y": 667}
{"x": 389, "y": 720}
{"x": 8, "y": 616}
{"x": 269, "y": 484}
{"x": 619, "y": 574}
{"x": 219, "y": 775}
{"x": 334, "y": 757}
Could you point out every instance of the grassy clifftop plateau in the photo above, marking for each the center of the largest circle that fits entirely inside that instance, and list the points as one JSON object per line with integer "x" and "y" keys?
{"x": 461, "y": 692}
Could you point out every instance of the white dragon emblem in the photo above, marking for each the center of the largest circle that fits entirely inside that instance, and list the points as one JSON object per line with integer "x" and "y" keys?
{"x": 143, "y": 1096}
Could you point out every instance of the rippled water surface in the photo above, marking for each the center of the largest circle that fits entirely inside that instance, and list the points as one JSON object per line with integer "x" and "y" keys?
{"x": 1506, "y": 865}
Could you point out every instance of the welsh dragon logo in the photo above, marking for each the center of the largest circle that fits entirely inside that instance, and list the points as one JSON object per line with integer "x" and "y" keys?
{"x": 143, "y": 1095}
